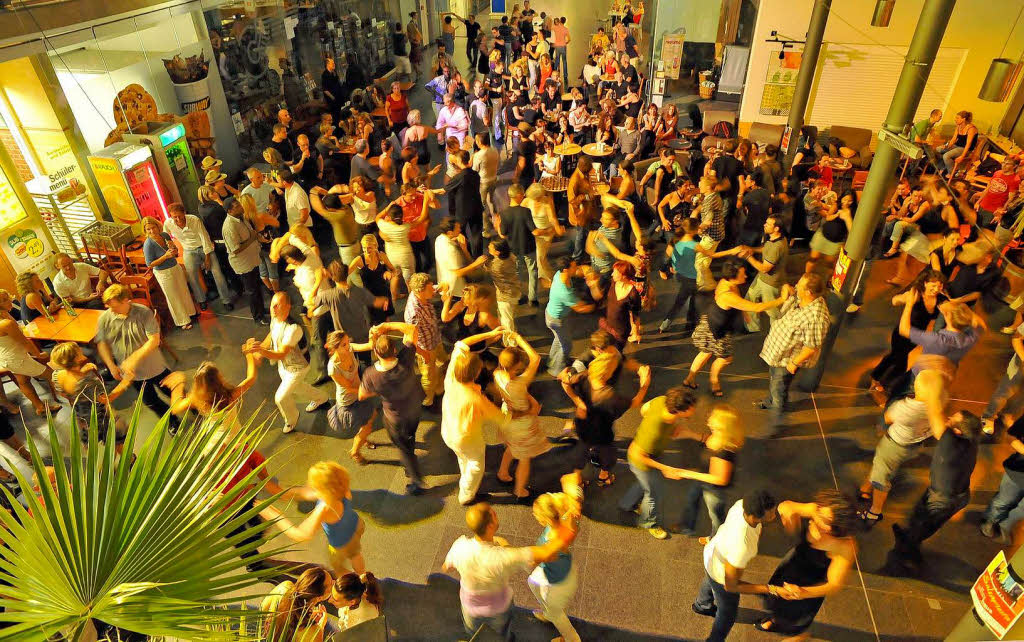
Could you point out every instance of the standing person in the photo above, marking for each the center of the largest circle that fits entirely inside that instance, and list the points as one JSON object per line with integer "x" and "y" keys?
{"x": 794, "y": 341}
{"x": 341, "y": 218}
{"x": 296, "y": 200}
{"x": 517, "y": 368}
{"x": 162, "y": 258}
{"x": 243, "y": 248}
{"x": 1002, "y": 514}
{"x": 726, "y": 556}
{"x": 949, "y": 490}
{"x": 79, "y": 382}
{"x": 561, "y": 36}
{"x": 554, "y": 583}
{"x": 622, "y": 306}
{"x": 485, "y": 163}
{"x": 486, "y": 562}
{"x": 400, "y": 49}
{"x": 348, "y": 414}
{"x": 464, "y": 411}
{"x": 453, "y": 120}
{"x": 211, "y": 394}
{"x": 465, "y": 203}
{"x": 451, "y": 257}
{"x": 330, "y": 84}
{"x": 682, "y": 255}
{"x": 659, "y": 424}
{"x": 351, "y": 305}
{"x": 308, "y": 275}
{"x": 396, "y": 108}
{"x": 377, "y": 275}
{"x": 394, "y": 229}
{"x": 195, "y": 241}
{"x": 329, "y": 485}
{"x": 518, "y": 228}
{"x": 712, "y": 229}
{"x": 420, "y": 313}
{"x": 415, "y": 42}
{"x": 562, "y": 299}
{"x": 542, "y": 207}
{"x": 282, "y": 345}
{"x": 72, "y": 282}
{"x": 771, "y": 272}
{"x": 128, "y": 340}
{"x": 719, "y": 452}
{"x": 393, "y": 377}
{"x": 472, "y": 34}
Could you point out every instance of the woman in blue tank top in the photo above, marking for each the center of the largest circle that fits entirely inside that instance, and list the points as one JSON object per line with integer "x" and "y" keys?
{"x": 554, "y": 583}
{"x": 328, "y": 485}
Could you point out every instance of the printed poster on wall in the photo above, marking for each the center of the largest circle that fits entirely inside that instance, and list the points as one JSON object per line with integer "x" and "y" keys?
{"x": 997, "y": 596}
{"x": 25, "y": 246}
{"x": 780, "y": 83}
{"x": 11, "y": 209}
{"x": 672, "y": 54}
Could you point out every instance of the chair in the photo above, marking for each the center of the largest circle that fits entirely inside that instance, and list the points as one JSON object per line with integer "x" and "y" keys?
{"x": 859, "y": 178}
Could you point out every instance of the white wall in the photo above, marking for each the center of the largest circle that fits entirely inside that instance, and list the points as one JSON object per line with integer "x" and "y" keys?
{"x": 980, "y": 26}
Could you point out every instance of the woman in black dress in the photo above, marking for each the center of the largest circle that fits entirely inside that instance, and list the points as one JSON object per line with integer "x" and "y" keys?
{"x": 622, "y": 309}
{"x": 379, "y": 277}
{"x": 816, "y": 567}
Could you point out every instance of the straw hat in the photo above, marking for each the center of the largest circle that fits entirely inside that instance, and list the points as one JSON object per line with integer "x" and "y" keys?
{"x": 209, "y": 162}
{"x": 213, "y": 176}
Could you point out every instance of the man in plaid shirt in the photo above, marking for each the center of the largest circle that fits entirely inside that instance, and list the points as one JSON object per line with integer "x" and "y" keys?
{"x": 794, "y": 341}
{"x": 420, "y": 312}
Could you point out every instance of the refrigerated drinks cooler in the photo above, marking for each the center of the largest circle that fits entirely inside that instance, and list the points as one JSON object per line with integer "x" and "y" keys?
{"x": 130, "y": 183}
{"x": 173, "y": 160}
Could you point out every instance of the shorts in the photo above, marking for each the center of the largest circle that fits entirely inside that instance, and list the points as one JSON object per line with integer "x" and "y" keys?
{"x": 889, "y": 456}
{"x": 340, "y": 556}
{"x": 824, "y": 246}
{"x": 349, "y": 419}
{"x": 602, "y": 455}
{"x": 268, "y": 269}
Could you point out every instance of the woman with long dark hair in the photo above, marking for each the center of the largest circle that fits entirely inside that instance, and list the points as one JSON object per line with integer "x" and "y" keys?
{"x": 297, "y": 607}
{"x": 358, "y": 598}
{"x": 211, "y": 393}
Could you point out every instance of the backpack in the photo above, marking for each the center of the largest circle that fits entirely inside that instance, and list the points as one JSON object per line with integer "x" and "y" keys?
{"x": 723, "y": 129}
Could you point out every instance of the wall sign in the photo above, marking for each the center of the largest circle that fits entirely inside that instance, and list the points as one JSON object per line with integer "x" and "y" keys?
{"x": 672, "y": 54}
{"x": 780, "y": 83}
{"x": 11, "y": 209}
{"x": 25, "y": 247}
{"x": 997, "y": 596}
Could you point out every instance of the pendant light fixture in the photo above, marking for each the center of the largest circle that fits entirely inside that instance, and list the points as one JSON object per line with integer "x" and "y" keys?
{"x": 883, "y": 13}
{"x": 1002, "y": 72}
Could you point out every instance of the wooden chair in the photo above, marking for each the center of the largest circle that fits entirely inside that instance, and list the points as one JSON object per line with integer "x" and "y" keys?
{"x": 859, "y": 178}
{"x": 144, "y": 290}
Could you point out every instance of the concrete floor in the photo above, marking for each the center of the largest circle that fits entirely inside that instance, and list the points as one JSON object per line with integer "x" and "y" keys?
{"x": 631, "y": 586}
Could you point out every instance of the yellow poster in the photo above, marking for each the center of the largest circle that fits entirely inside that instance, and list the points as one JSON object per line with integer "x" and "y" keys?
{"x": 115, "y": 191}
{"x": 11, "y": 209}
{"x": 672, "y": 54}
{"x": 25, "y": 247}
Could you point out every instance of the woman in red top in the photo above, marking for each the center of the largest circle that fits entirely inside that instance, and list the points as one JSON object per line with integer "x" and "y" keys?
{"x": 411, "y": 202}
{"x": 396, "y": 106}
{"x": 545, "y": 71}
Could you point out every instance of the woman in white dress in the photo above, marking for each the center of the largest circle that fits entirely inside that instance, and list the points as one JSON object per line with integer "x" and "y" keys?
{"x": 395, "y": 232}
{"x": 517, "y": 367}
{"x": 550, "y": 163}
{"x": 541, "y": 205}
{"x": 21, "y": 357}
{"x": 358, "y": 598}
{"x": 162, "y": 257}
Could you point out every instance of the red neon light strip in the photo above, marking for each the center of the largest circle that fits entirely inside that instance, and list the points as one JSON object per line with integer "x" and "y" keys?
{"x": 156, "y": 186}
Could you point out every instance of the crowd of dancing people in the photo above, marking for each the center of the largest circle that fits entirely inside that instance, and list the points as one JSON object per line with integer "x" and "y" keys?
{"x": 397, "y": 257}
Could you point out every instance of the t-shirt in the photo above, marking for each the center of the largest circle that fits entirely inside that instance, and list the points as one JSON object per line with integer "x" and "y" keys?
{"x": 485, "y": 570}
{"x": 126, "y": 334}
{"x": 296, "y": 200}
{"x": 604, "y": 407}
{"x": 505, "y": 276}
{"x": 517, "y": 225}
{"x": 448, "y": 257}
{"x": 561, "y": 297}
{"x": 654, "y": 432}
{"x": 921, "y": 129}
{"x": 349, "y": 311}
{"x": 757, "y": 204}
{"x": 910, "y": 423}
{"x": 735, "y": 542}
{"x": 952, "y": 464}
{"x": 1014, "y": 464}
{"x": 260, "y": 194}
{"x": 78, "y": 287}
{"x": 495, "y": 85}
{"x": 284, "y": 334}
{"x": 285, "y": 147}
{"x": 683, "y": 255}
{"x": 998, "y": 191}
{"x": 775, "y": 252}
{"x": 726, "y": 166}
{"x": 399, "y": 387}
{"x": 946, "y": 343}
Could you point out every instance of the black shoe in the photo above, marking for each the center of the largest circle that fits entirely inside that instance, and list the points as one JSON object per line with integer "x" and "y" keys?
{"x": 203, "y": 306}
{"x": 522, "y": 300}
{"x": 414, "y": 489}
{"x": 229, "y": 305}
{"x": 263, "y": 321}
{"x": 479, "y": 497}
{"x": 707, "y": 613}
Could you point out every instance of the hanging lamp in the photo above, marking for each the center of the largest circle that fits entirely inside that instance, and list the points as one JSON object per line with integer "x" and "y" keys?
{"x": 883, "y": 13}
{"x": 1002, "y": 72}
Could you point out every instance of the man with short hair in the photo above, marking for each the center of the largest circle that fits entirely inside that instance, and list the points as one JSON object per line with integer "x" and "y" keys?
{"x": 296, "y": 201}
{"x": 453, "y": 120}
{"x": 561, "y": 36}
{"x": 243, "y": 250}
{"x": 464, "y": 202}
{"x": 258, "y": 188}
{"x": 361, "y": 162}
{"x": 1001, "y": 188}
{"x": 328, "y": 204}
{"x": 334, "y": 95}
{"x": 438, "y": 88}
{"x": 400, "y": 49}
{"x": 189, "y": 231}
{"x": 518, "y": 228}
{"x": 495, "y": 84}
{"x": 726, "y": 556}
{"x": 282, "y": 345}
{"x": 771, "y": 271}
{"x": 562, "y": 299}
{"x": 794, "y": 341}
{"x": 72, "y": 282}
{"x": 485, "y": 163}
{"x": 280, "y": 141}
{"x": 420, "y": 313}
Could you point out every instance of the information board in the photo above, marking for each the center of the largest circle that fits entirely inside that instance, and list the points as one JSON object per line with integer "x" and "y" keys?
{"x": 780, "y": 83}
{"x": 997, "y": 596}
{"x": 672, "y": 54}
{"x": 11, "y": 209}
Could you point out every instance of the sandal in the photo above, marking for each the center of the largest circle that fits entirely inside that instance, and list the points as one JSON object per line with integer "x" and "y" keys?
{"x": 717, "y": 392}
{"x": 869, "y": 518}
{"x": 606, "y": 481}
{"x": 689, "y": 384}
{"x": 767, "y": 625}
{"x": 359, "y": 459}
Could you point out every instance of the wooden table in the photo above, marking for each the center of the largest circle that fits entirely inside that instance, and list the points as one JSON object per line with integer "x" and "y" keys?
{"x": 679, "y": 144}
{"x": 592, "y": 150}
{"x": 568, "y": 149}
{"x": 64, "y": 327}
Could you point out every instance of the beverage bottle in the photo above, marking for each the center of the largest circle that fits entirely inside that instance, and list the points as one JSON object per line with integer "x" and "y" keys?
{"x": 67, "y": 306}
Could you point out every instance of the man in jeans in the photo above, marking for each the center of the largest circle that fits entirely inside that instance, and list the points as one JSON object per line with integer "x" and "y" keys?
{"x": 660, "y": 424}
{"x": 794, "y": 341}
{"x": 518, "y": 228}
{"x": 495, "y": 90}
{"x": 771, "y": 272}
{"x": 561, "y": 42}
{"x": 1004, "y": 511}
{"x": 726, "y": 556}
{"x": 244, "y": 256}
{"x": 1008, "y": 386}
{"x": 485, "y": 163}
{"x": 562, "y": 299}
{"x": 486, "y": 566}
{"x": 189, "y": 230}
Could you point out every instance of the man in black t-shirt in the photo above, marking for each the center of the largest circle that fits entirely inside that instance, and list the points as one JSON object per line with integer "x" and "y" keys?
{"x": 518, "y": 228}
{"x": 330, "y": 84}
{"x": 505, "y": 32}
{"x": 472, "y": 33}
{"x": 756, "y": 208}
{"x": 629, "y": 72}
{"x": 1011, "y": 489}
{"x": 495, "y": 90}
{"x": 728, "y": 168}
{"x": 948, "y": 492}
{"x": 524, "y": 171}
{"x": 282, "y": 144}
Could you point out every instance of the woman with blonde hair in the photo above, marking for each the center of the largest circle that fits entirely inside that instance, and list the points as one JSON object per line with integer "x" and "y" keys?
{"x": 542, "y": 208}
{"x": 23, "y": 359}
{"x": 517, "y": 368}
{"x": 395, "y": 230}
{"x": 377, "y": 275}
{"x": 477, "y": 313}
{"x": 35, "y": 301}
{"x": 328, "y": 484}
{"x": 266, "y": 225}
{"x": 78, "y": 381}
{"x": 720, "y": 449}
{"x": 162, "y": 257}
{"x": 554, "y": 583}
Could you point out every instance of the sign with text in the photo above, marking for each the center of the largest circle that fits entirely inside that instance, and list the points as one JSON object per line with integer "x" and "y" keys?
{"x": 672, "y": 54}
{"x": 11, "y": 209}
{"x": 780, "y": 83}
{"x": 997, "y": 596}
{"x": 25, "y": 246}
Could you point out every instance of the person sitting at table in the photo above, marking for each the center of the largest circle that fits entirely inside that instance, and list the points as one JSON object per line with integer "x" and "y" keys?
{"x": 72, "y": 282}
{"x": 21, "y": 357}
{"x": 518, "y": 81}
{"x": 551, "y": 101}
{"x": 631, "y": 103}
{"x": 162, "y": 257}
{"x": 581, "y": 121}
{"x": 668, "y": 125}
{"x": 605, "y": 132}
{"x": 563, "y": 131}
{"x": 34, "y": 300}
{"x": 599, "y": 42}
{"x": 550, "y": 164}
{"x": 591, "y": 73}
{"x": 533, "y": 112}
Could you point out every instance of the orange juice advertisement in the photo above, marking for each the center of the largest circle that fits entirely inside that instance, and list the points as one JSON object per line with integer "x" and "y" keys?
{"x": 115, "y": 191}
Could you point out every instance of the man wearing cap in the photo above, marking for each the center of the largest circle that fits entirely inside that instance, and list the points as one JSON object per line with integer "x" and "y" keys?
{"x": 244, "y": 256}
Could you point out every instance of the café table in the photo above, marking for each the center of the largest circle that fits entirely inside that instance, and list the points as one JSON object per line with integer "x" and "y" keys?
{"x": 679, "y": 144}
{"x": 592, "y": 149}
{"x": 64, "y": 327}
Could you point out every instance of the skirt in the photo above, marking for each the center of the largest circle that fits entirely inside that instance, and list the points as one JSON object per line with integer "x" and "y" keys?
{"x": 821, "y": 244}
{"x": 175, "y": 288}
{"x": 706, "y": 342}
{"x": 524, "y": 438}
{"x": 349, "y": 419}
{"x": 20, "y": 362}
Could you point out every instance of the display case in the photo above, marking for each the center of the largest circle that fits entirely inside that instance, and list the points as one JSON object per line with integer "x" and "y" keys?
{"x": 66, "y": 212}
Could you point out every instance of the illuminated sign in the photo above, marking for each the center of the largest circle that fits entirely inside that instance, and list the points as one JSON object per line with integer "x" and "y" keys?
{"x": 172, "y": 134}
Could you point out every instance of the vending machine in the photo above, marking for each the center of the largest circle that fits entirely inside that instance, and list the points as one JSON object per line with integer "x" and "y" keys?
{"x": 130, "y": 183}
{"x": 173, "y": 160}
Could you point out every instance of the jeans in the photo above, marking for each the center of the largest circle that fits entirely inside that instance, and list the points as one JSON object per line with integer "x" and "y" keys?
{"x": 561, "y": 60}
{"x": 652, "y": 483}
{"x": 472, "y": 54}
{"x": 474, "y": 237}
{"x": 500, "y": 623}
{"x": 561, "y": 344}
{"x": 760, "y": 291}
{"x": 499, "y": 120}
{"x": 714, "y": 499}
{"x": 508, "y": 53}
{"x": 403, "y": 435}
{"x": 1007, "y": 388}
{"x": 685, "y": 297}
{"x": 712, "y": 595}
{"x": 253, "y": 289}
{"x": 531, "y": 273}
{"x": 194, "y": 260}
{"x": 779, "y": 381}
{"x": 579, "y": 242}
{"x": 949, "y": 157}
{"x": 1003, "y": 505}
{"x": 448, "y": 40}
{"x": 421, "y": 251}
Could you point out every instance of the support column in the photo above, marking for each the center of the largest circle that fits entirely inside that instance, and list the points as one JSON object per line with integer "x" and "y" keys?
{"x": 805, "y": 77}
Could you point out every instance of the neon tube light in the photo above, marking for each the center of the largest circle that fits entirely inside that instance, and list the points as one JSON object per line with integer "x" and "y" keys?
{"x": 156, "y": 186}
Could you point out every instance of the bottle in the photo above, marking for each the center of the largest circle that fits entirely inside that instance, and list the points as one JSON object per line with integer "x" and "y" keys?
{"x": 67, "y": 306}
{"x": 46, "y": 313}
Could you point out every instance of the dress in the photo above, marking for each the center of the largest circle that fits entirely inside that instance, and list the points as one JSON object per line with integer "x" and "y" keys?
{"x": 521, "y": 429}
{"x": 397, "y": 246}
{"x": 15, "y": 358}
{"x": 348, "y": 414}
{"x": 714, "y": 332}
{"x": 374, "y": 281}
{"x": 804, "y": 565}
{"x": 83, "y": 397}
{"x": 170, "y": 275}
{"x": 616, "y": 320}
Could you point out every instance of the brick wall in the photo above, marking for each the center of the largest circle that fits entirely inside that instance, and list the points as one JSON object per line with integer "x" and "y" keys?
{"x": 7, "y": 140}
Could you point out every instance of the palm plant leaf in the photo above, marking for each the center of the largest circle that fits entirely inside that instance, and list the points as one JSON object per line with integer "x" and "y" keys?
{"x": 149, "y": 547}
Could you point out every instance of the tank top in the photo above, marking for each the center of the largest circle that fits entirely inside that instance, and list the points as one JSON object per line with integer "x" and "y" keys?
{"x": 603, "y": 262}
{"x": 374, "y": 281}
{"x": 422, "y": 151}
{"x": 399, "y": 108}
{"x": 340, "y": 533}
{"x": 720, "y": 320}
{"x": 471, "y": 328}
{"x": 25, "y": 313}
{"x": 707, "y": 454}
{"x": 931, "y": 222}
{"x": 961, "y": 139}
{"x": 558, "y": 569}
{"x": 920, "y": 316}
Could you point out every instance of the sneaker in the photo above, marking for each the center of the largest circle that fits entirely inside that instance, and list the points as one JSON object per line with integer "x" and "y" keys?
{"x": 658, "y": 532}
{"x": 705, "y": 612}
{"x": 313, "y": 405}
{"x": 988, "y": 426}
{"x": 665, "y": 325}
{"x": 288, "y": 428}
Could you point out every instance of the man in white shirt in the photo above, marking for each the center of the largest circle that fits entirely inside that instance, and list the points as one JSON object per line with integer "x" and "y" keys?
{"x": 72, "y": 282}
{"x": 244, "y": 256}
{"x": 451, "y": 256}
{"x": 486, "y": 563}
{"x": 258, "y": 188}
{"x": 189, "y": 231}
{"x": 485, "y": 163}
{"x": 282, "y": 345}
{"x": 309, "y": 273}
{"x": 296, "y": 202}
{"x": 726, "y": 555}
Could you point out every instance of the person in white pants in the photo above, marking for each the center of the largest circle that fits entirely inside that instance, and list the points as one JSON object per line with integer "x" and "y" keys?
{"x": 464, "y": 410}
{"x": 282, "y": 345}
{"x": 554, "y": 582}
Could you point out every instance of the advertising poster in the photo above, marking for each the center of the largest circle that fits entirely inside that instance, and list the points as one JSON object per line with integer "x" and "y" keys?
{"x": 672, "y": 54}
{"x": 997, "y": 596}
{"x": 25, "y": 247}
{"x": 842, "y": 270}
{"x": 780, "y": 83}
{"x": 11, "y": 209}
{"x": 115, "y": 193}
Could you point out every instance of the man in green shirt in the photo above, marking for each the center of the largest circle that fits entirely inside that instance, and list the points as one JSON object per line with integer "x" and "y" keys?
{"x": 660, "y": 424}
{"x": 920, "y": 131}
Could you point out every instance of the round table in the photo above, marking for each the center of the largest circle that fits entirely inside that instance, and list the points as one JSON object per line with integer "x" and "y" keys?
{"x": 568, "y": 149}
{"x": 608, "y": 77}
{"x": 691, "y": 133}
{"x": 679, "y": 144}
{"x": 592, "y": 150}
